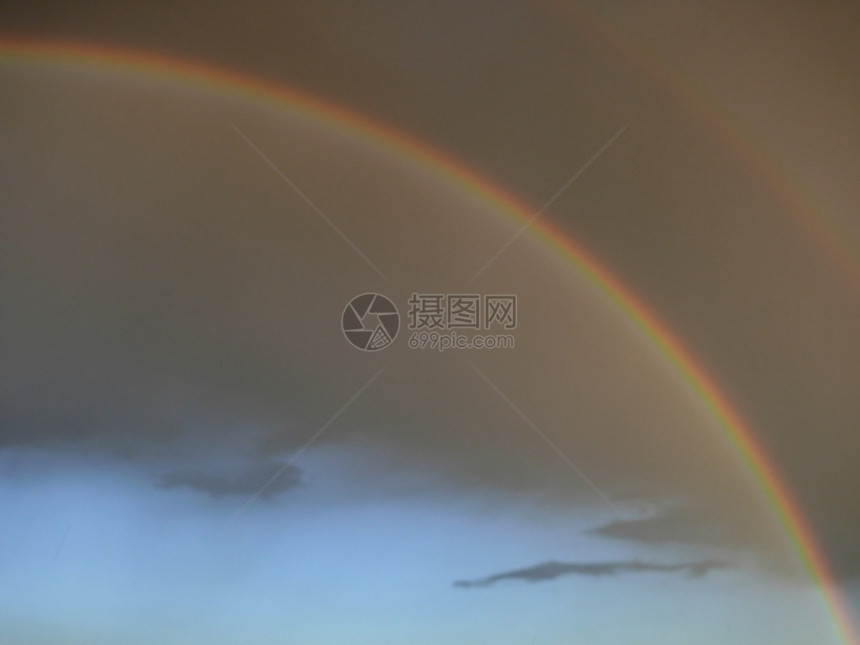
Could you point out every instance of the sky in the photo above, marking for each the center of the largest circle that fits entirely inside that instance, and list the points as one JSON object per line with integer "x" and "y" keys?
{"x": 192, "y": 451}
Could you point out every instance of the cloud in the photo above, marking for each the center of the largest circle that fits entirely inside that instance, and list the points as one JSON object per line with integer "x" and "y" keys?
{"x": 682, "y": 524}
{"x": 706, "y": 523}
{"x": 554, "y": 569}
{"x": 244, "y": 483}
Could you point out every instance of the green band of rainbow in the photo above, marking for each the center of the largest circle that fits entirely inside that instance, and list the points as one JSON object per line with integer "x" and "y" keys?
{"x": 733, "y": 425}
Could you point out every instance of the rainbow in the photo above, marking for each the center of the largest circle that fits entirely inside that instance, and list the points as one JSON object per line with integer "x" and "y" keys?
{"x": 736, "y": 429}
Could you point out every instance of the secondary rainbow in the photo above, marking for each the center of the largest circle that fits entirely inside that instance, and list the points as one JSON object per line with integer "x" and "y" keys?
{"x": 724, "y": 129}
{"x": 729, "y": 418}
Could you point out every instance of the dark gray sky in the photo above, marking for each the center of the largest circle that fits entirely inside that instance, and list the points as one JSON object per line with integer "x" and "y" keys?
{"x": 163, "y": 336}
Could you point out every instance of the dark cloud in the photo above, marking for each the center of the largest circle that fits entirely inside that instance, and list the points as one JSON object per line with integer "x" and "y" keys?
{"x": 245, "y": 483}
{"x": 681, "y": 524}
{"x": 707, "y": 523}
{"x": 553, "y": 569}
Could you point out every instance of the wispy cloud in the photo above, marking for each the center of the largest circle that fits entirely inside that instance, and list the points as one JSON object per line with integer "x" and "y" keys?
{"x": 682, "y": 524}
{"x": 242, "y": 483}
{"x": 554, "y": 569}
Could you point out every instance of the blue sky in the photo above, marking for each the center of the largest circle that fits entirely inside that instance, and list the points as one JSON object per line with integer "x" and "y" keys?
{"x": 97, "y": 552}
